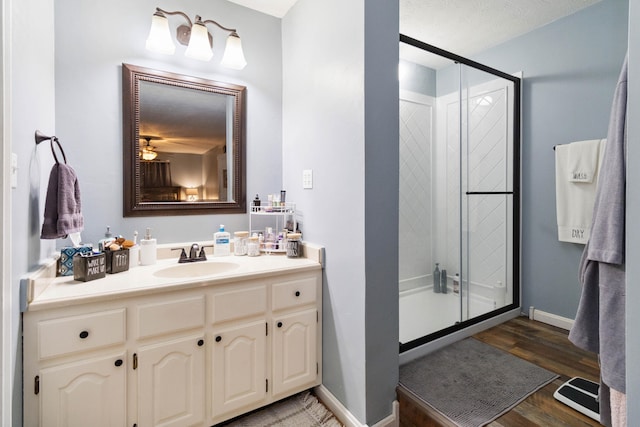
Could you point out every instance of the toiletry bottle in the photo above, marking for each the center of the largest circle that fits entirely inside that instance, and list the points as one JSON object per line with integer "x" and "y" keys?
{"x": 256, "y": 202}
{"x": 148, "y": 250}
{"x": 456, "y": 284}
{"x": 443, "y": 281}
{"x": 221, "y": 242}
{"x": 436, "y": 279}
{"x": 134, "y": 252}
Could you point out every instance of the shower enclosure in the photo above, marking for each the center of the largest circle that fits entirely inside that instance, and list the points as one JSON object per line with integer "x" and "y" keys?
{"x": 459, "y": 193}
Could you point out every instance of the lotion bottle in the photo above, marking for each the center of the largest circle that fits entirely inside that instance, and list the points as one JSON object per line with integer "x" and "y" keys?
{"x": 148, "y": 250}
{"x": 221, "y": 242}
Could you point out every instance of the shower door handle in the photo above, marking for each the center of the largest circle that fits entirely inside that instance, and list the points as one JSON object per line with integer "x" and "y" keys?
{"x": 473, "y": 193}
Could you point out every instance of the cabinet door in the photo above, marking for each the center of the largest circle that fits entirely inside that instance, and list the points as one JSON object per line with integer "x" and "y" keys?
{"x": 171, "y": 383}
{"x": 294, "y": 351}
{"x": 87, "y": 393}
{"x": 239, "y": 365}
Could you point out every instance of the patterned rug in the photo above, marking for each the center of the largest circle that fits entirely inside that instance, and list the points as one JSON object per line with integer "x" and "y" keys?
{"x": 300, "y": 410}
{"x": 472, "y": 383}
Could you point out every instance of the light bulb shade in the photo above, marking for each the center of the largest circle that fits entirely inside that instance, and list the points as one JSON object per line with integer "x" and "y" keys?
{"x": 148, "y": 154}
{"x": 159, "y": 39}
{"x": 199, "y": 47}
{"x": 233, "y": 55}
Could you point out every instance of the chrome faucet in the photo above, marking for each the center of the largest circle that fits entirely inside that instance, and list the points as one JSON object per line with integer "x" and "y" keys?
{"x": 196, "y": 253}
{"x": 193, "y": 253}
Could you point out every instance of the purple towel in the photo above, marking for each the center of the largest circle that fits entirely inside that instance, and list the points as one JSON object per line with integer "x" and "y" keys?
{"x": 62, "y": 214}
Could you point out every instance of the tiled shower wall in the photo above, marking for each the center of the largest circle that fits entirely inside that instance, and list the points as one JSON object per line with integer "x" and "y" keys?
{"x": 430, "y": 182}
{"x": 415, "y": 232}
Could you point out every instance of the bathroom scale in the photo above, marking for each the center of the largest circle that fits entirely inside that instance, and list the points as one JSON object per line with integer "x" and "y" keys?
{"x": 581, "y": 395}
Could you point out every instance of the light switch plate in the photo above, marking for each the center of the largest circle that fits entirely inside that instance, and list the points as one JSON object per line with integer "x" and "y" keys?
{"x": 307, "y": 178}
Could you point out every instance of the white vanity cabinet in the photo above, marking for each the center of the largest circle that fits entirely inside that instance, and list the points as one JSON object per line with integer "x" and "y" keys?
{"x": 295, "y": 325}
{"x": 183, "y": 357}
{"x": 82, "y": 368}
{"x": 169, "y": 360}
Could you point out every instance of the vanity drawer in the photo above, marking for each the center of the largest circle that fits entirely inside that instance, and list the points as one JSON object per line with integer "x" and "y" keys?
{"x": 294, "y": 293}
{"x": 237, "y": 303}
{"x": 170, "y": 316}
{"x": 61, "y": 336}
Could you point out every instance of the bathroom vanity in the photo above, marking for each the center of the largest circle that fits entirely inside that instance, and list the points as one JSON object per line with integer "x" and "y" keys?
{"x": 172, "y": 345}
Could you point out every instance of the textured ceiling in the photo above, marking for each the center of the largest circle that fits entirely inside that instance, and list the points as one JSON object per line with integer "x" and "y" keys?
{"x": 277, "y": 8}
{"x": 464, "y": 27}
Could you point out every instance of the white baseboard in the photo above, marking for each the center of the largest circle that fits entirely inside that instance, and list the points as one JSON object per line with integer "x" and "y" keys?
{"x": 346, "y": 417}
{"x": 550, "y": 319}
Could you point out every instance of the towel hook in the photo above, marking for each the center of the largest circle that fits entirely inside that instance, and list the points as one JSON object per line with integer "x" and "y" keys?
{"x": 42, "y": 137}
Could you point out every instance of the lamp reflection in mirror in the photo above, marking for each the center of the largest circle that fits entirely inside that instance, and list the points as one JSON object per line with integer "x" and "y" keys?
{"x": 192, "y": 194}
{"x": 196, "y": 37}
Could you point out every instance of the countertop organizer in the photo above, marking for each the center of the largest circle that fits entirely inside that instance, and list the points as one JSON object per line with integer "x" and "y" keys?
{"x": 276, "y": 217}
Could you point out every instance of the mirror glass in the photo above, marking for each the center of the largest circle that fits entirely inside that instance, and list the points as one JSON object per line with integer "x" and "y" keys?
{"x": 184, "y": 145}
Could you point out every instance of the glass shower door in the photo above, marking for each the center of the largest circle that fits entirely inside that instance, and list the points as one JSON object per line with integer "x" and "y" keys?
{"x": 486, "y": 196}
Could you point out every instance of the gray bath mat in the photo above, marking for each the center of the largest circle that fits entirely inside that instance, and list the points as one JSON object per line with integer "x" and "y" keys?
{"x": 302, "y": 409}
{"x": 472, "y": 383}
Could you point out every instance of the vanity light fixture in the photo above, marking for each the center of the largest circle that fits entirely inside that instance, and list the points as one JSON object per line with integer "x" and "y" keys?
{"x": 196, "y": 37}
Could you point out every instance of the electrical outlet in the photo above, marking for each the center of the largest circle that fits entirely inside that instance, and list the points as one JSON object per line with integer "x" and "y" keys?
{"x": 307, "y": 178}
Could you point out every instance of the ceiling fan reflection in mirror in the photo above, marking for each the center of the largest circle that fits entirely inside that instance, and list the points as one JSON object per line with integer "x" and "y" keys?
{"x": 148, "y": 152}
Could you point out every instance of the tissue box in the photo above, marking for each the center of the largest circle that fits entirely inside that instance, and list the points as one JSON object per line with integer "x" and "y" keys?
{"x": 65, "y": 267}
{"x": 117, "y": 261}
{"x": 88, "y": 267}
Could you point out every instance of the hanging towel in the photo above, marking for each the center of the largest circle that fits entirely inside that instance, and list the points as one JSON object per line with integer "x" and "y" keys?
{"x": 600, "y": 320}
{"x": 62, "y": 213}
{"x": 575, "y": 195}
{"x": 583, "y": 159}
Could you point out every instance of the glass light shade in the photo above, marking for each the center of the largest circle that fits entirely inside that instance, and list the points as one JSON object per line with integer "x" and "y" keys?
{"x": 199, "y": 47}
{"x": 233, "y": 55}
{"x": 147, "y": 154}
{"x": 159, "y": 39}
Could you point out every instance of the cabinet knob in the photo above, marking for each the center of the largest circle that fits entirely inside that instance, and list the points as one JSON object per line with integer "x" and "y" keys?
{"x": 279, "y": 324}
{"x": 118, "y": 363}
{"x": 200, "y": 343}
{"x": 297, "y": 293}
{"x": 218, "y": 338}
{"x": 84, "y": 334}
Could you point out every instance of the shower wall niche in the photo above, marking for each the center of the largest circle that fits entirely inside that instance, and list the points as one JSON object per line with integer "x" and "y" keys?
{"x": 459, "y": 192}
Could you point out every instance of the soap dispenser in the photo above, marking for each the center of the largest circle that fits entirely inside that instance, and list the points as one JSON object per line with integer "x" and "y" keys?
{"x": 108, "y": 239}
{"x": 148, "y": 250}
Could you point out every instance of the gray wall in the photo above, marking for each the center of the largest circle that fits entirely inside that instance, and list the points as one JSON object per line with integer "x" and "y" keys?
{"x": 341, "y": 121}
{"x": 417, "y": 78}
{"x": 323, "y": 130}
{"x": 92, "y": 41}
{"x": 633, "y": 212}
{"x": 30, "y": 101}
{"x": 570, "y": 71}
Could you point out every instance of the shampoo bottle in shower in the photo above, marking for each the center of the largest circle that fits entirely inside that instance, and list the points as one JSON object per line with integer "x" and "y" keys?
{"x": 456, "y": 284}
{"x": 436, "y": 279}
{"x": 443, "y": 281}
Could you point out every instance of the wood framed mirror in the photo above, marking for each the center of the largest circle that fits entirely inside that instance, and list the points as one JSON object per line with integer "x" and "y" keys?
{"x": 183, "y": 144}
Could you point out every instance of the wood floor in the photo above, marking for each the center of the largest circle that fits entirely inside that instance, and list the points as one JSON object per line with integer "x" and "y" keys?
{"x": 541, "y": 344}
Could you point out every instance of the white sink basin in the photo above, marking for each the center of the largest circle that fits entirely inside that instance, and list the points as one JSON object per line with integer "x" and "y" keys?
{"x": 196, "y": 269}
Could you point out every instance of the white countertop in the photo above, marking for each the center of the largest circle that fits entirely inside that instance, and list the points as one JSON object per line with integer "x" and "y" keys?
{"x": 45, "y": 291}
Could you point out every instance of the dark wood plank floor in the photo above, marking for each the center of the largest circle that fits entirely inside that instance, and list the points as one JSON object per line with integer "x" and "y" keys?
{"x": 539, "y": 343}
